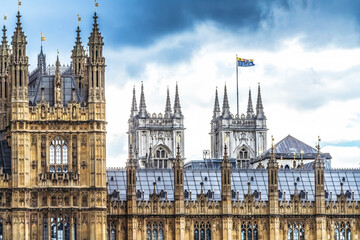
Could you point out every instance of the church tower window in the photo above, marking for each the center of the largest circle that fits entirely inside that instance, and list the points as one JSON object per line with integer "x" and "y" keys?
{"x": 58, "y": 155}
{"x": 243, "y": 158}
{"x": 161, "y": 158}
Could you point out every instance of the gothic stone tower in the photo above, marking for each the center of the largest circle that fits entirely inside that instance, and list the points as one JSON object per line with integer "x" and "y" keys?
{"x": 155, "y": 137}
{"x": 53, "y": 131}
{"x": 244, "y": 135}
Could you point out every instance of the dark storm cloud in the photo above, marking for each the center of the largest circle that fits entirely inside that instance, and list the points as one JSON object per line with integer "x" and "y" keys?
{"x": 141, "y": 22}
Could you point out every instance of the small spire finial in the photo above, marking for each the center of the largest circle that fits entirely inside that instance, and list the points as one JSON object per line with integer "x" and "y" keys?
{"x": 78, "y": 19}
{"x": 19, "y": 4}
{"x": 42, "y": 39}
{"x": 96, "y": 5}
{"x": 5, "y": 18}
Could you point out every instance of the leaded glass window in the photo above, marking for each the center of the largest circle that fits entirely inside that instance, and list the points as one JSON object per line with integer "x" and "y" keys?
{"x": 154, "y": 231}
{"x": 202, "y": 231}
{"x": 296, "y": 231}
{"x": 342, "y": 231}
{"x": 160, "y": 157}
{"x": 58, "y": 155}
{"x": 249, "y": 231}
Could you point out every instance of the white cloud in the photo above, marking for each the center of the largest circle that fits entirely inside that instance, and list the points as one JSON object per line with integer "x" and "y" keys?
{"x": 344, "y": 157}
{"x": 301, "y": 88}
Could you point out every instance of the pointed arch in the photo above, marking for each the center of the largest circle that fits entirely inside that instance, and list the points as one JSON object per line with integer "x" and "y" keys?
{"x": 160, "y": 155}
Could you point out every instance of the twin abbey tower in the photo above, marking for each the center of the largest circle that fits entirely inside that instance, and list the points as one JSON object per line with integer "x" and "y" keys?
{"x": 53, "y": 142}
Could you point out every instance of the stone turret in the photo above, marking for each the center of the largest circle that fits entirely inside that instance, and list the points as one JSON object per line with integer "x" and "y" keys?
{"x": 319, "y": 171}
{"x": 96, "y": 68}
{"x": 78, "y": 61}
{"x": 19, "y": 71}
{"x": 179, "y": 196}
{"x": 226, "y": 197}
{"x": 4, "y": 78}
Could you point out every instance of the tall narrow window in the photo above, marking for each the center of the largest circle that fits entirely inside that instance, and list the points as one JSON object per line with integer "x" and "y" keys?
{"x": 58, "y": 156}
{"x": 45, "y": 228}
{"x": 52, "y": 154}
{"x": 160, "y": 157}
{"x": 1, "y": 230}
{"x": 202, "y": 231}
{"x": 296, "y": 231}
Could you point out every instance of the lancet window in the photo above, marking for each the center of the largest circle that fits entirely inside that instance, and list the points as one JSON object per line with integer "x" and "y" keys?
{"x": 59, "y": 228}
{"x": 202, "y": 231}
{"x": 111, "y": 232}
{"x": 161, "y": 158}
{"x": 154, "y": 231}
{"x": 296, "y": 231}
{"x": 243, "y": 158}
{"x": 249, "y": 231}
{"x": 58, "y": 155}
{"x": 342, "y": 231}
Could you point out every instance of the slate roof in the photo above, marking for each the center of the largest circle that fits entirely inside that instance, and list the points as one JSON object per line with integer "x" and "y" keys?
{"x": 290, "y": 145}
{"x": 212, "y": 181}
{"x": 48, "y": 82}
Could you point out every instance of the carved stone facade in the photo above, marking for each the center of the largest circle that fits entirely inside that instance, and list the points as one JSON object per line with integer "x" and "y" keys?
{"x": 53, "y": 143}
{"x": 245, "y": 135}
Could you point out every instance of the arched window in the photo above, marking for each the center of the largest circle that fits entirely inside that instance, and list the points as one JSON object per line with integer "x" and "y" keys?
{"x": 60, "y": 228}
{"x": 45, "y": 228}
{"x": 342, "y": 231}
{"x": 58, "y": 155}
{"x": 296, "y": 231}
{"x": 202, "y": 231}
{"x": 243, "y": 158}
{"x": 155, "y": 231}
{"x": 161, "y": 158}
{"x": 249, "y": 231}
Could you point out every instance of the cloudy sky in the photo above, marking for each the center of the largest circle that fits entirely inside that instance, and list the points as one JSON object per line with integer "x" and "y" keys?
{"x": 306, "y": 55}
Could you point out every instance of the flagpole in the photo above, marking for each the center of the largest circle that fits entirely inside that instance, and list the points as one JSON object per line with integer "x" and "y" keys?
{"x": 237, "y": 86}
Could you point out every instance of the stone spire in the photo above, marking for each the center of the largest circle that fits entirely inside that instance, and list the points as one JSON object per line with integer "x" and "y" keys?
{"x": 259, "y": 106}
{"x": 217, "y": 111}
{"x": 42, "y": 61}
{"x": 19, "y": 36}
{"x": 250, "y": 109}
{"x": 78, "y": 60}
{"x": 95, "y": 36}
{"x": 142, "y": 107}
{"x": 4, "y": 44}
{"x": 226, "y": 107}
{"x": 19, "y": 65}
{"x": 177, "y": 107}
{"x": 58, "y": 84}
{"x": 134, "y": 109}
{"x": 168, "y": 111}
{"x": 96, "y": 66}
